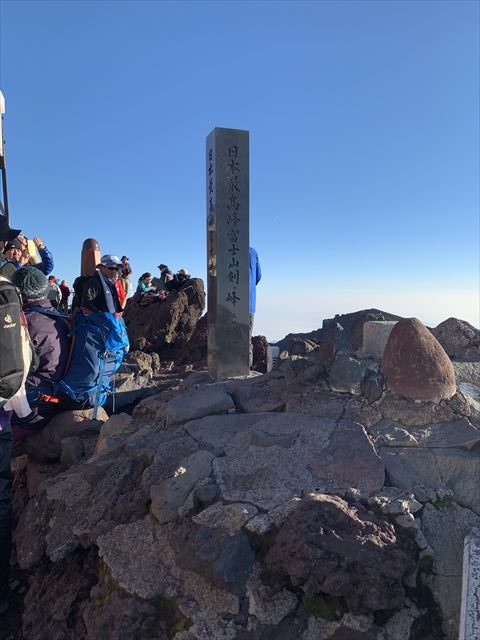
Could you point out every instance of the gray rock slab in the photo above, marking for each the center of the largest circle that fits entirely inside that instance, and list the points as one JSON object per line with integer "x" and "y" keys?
{"x": 197, "y": 403}
{"x": 445, "y": 529}
{"x": 287, "y": 455}
{"x": 114, "y": 432}
{"x": 135, "y": 553}
{"x": 446, "y": 592}
{"x": 230, "y": 517}
{"x": 390, "y": 434}
{"x": 347, "y": 374}
{"x": 144, "y": 443}
{"x": 130, "y": 388}
{"x": 425, "y": 471}
{"x": 349, "y": 460}
{"x": 167, "y": 458}
{"x": 268, "y": 605}
{"x": 256, "y": 397}
{"x": 455, "y": 433}
{"x": 214, "y": 432}
{"x": 314, "y": 401}
{"x": 170, "y": 495}
{"x": 468, "y": 372}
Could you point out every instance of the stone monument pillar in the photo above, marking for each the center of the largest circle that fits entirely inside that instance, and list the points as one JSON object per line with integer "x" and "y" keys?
{"x": 228, "y": 258}
{"x": 90, "y": 257}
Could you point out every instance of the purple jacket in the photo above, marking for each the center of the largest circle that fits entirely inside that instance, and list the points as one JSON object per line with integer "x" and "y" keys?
{"x": 50, "y": 337}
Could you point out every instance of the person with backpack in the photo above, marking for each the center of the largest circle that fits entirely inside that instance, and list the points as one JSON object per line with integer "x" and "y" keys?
{"x": 13, "y": 366}
{"x": 125, "y": 273}
{"x": 99, "y": 292}
{"x": 50, "y": 336}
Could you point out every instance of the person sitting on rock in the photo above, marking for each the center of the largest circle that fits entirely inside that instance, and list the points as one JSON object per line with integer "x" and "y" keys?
{"x": 166, "y": 278}
{"x": 99, "y": 292}
{"x": 50, "y": 336}
{"x": 181, "y": 277}
{"x": 145, "y": 283}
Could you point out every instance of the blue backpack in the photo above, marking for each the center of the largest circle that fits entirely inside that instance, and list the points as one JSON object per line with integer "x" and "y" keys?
{"x": 100, "y": 341}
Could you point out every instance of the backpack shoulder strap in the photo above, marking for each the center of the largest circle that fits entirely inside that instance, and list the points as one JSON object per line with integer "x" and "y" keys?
{"x": 48, "y": 312}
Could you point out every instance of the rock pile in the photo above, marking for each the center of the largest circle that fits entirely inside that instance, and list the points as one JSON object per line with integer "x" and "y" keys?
{"x": 310, "y": 503}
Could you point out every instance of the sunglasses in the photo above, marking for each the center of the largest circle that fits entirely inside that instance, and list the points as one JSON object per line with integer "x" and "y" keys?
{"x": 112, "y": 268}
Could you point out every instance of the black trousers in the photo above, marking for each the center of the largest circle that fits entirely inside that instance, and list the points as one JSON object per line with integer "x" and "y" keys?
{"x": 6, "y": 440}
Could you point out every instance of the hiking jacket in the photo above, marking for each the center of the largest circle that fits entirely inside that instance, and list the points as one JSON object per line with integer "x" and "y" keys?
{"x": 255, "y": 277}
{"x": 93, "y": 297}
{"x": 50, "y": 337}
{"x": 46, "y": 265}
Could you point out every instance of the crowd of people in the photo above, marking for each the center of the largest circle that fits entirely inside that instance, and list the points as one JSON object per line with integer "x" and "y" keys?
{"x": 38, "y": 348}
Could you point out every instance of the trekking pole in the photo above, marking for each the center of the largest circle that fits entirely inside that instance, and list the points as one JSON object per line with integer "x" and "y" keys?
{"x": 4, "y": 205}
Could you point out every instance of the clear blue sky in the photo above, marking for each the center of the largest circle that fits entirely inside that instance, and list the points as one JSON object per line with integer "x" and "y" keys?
{"x": 364, "y": 136}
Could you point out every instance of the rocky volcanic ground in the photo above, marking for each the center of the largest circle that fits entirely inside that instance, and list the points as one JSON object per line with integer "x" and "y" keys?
{"x": 313, "y": 502}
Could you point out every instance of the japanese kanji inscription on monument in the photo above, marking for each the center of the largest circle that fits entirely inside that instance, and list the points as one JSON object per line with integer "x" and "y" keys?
{"x": 228, "y": 252}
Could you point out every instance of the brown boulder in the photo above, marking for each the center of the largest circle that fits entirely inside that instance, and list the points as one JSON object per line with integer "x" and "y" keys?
{"x": 165, "y": 326}
{"x": 415, "y": 364}
{"x": 327, "y": 546}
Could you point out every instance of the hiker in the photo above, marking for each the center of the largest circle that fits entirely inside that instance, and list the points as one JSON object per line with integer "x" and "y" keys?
{"x": 46, "y": 263}
{"x": 145, "y": 283}
{"x": 14, "y": 363}
{"x": 50, "y": 336}
{"x": 122, "y": 296}
{"x": 99, "y": 292}
{"x": 125, "y": 273}
{"x": 54, "y": 293}
{"x": 12, "y": 253}
{"x": 255, "y": 277}
{"x": 65, "y": 291}
{"x": 16, "y": 255}
{"x": 166, "y": 278}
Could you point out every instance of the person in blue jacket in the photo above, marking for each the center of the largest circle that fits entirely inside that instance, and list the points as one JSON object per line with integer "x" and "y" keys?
{"x": 15, "y": 256}
{"x": 255, "y": 277}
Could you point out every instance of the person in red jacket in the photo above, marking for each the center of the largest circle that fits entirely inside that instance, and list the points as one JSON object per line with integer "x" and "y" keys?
{"x": 122, "y": 296}
{"x": 65, "y": 291}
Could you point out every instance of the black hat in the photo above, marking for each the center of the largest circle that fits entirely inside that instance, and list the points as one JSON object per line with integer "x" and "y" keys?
{"x": 124, "y": 258}
{"x": 12, "y": 244}
{"x": 6, "y": 232}
{"x": 162, "y": 266}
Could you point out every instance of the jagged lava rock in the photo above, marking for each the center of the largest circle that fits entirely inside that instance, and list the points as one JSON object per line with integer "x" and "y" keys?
{"x": 165, "y": 323}
{"x": 415, "y": 364}
{"x": 459, "y": 339}
{"x": 331, "y": 547}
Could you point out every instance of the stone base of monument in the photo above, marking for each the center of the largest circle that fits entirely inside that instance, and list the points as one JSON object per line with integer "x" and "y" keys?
{"x": 375, "y": 337}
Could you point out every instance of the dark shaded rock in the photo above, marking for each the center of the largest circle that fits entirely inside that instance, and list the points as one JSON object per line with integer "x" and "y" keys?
{"x": 347, "y": 375}
{"x": 195, "y": 350}
{"x": 460, "y": 339}
{"x": 140, "y": 361}
{"x": 328, "y": 546}
{"x": 45, "y": 446}
{"x": 372, "y": 386}
{"x": 72, "y": 451}
{"x": 333, "y": 342}
{"x": 166, "y": 326}
{"x": 415, "y": 365}
{"x": 351, "y": 322}
{"x": 224, "y": 560}
{"x": 126, "y": 616}
{"x": 53, "y": 600}
{"x": 300, "y": 347}
{"x": 260, "y": 347}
